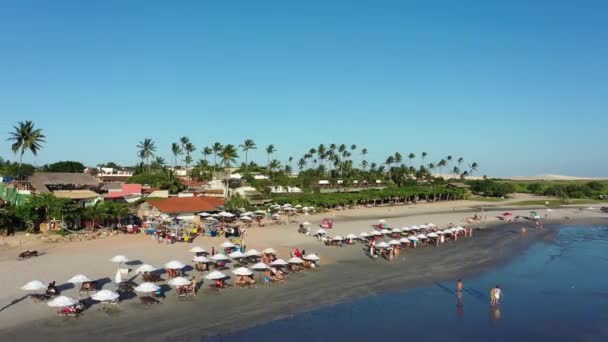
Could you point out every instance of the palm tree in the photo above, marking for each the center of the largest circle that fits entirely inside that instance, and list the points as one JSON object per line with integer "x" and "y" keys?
{"x": 363, "y": 154}
{"x": 158, "y": 162}
{"x": 176, "y": 149}
{"x": 411, "y": 157}
{"x": 147, "y": 149}
{"x": 449, "y": 160}
{"x": 289, "y": 160}
{"x": 389, "y": 162}
{"x": 26, "y": 137}
{"x": 473, "y": 167}
{"x": 189, "y": 148}
{"x": 442, "y": 163}
{"x": 207, "y": 151}
{"x": 229, "y": 155}
{"x": 424, "y": 154}
{"x": 274, "y": 165}
{"x": 217, "y": 149}
{"x": 269, "y": 151}
{"x": 301, "y": 164}
{"x": 398, "y": 158}
{"x": 456, "y": 170}
{"x": 169, "y": 181}
{"x": 184, "y": 141}
{"x": 247, "y": 145}
{"x": 460, "y": 161}
{"x": 322, "y": 153}
{"x": 95, "y": 212}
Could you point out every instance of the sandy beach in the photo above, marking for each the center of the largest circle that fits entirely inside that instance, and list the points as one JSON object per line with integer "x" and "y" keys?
{"x": 346, "y": 273}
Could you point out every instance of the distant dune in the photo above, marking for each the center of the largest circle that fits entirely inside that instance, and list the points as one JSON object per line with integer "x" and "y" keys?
{"x": 555, "y": 177}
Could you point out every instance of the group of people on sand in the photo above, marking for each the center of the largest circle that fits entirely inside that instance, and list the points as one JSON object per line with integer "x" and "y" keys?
{"x": 187, "y": 289}
{"x": 244, "y": 280}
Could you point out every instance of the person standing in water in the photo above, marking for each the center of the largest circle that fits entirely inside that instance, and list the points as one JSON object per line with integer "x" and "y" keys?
{"x": 459, "y": 287}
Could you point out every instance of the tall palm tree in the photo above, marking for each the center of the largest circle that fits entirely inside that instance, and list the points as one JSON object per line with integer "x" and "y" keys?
{"x": 274, "y": 165}
{"x": 206, "y": 151}
{"x": 217, "y": 149}
{"x": 147, "y": 149}
{"x": 363, "y": 154}
{"x": 289, "y": 160}
{"x": 26, "y": 137}
{"x": 389, "y": 162}
{"x": 322, "y": 152}
{"x": 398, "y": 158}
{"x": 441, "y": 164}
{"x": 460, "y": 161}
{"x": 270, "y": 149}
{"x": 449, "y": 161}
{"x": 189, "y": 148}
{"x": 247, "y": 145}
{"x": 184, "y": 141}
{"x": 411, "y": 157}
{"x": 473, "y": 167}
{"x": 424, "y": 154}
{"x": 228, "y": 157}
{"x": 301, "y": 164}
{"x": 176, "y": 149}
{"x": 158, "y": 162}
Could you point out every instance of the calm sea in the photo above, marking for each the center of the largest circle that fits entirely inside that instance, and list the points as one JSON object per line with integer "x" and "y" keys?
{"x": 556, "y": 291}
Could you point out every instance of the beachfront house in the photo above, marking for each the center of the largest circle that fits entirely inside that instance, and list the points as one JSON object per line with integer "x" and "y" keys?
{"x": 78, "y": 187}
{"x": 183, "y": 208}
{"x": 279, "y": 189}
{"x": 251, "y": 194}
{"x": 129, "y": 193}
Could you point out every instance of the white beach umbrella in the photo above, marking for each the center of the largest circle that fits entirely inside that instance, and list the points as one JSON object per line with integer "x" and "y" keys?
{"x": 146, "y": 287}
{"x": 396, "y": 231}
{"x": 79, "y": 278}
{"x": 413, "y": 238}
{"x": 276, "y": 215}
{"x": 179, "y": 281}
{"x": 295, "y": 260}
{"x": 201, "y": 259}
{"x": 305, "y": 208}
{"x": 394, "y": 242}
{"x": 145, "y": 268}
{"x": 260, "y": 212}
{"x": 252, "y": 253}
{"x": 385, "y": 231}
{"x": 210, "y": 219}
{"x": 423, "y": 226}
{"x": 226, "y": 214}
{"x": 440, "y": 232}
{"x": 105, "y": 296}
{"x": 321, "y": 232}
{"x": 421, "y": 236}
{"x": 260, "y": 266}
{"x": 227, "y": 244}
{"x": 432, "y": 235}
{"x": 215, "y": 275}
{"x": 248, "y": 213}
{"x": 215, "y": 215}
{"x": 197, "y": 249}
{"x": 269, "y": 251}
{"x": 306, "y": 223}
{"x": 404, "y": 240}
{"x": 34, "y": 285}
{"x": 338, "y": 238}
{"x": 279, "y": 262}
{"x": 311, "y": 257}
{"x": 376, "y": 233}
{"x": 405, "y": 229}
{"x": 204, "y": 214}
{"x": 382, "y": 221}
{"x": 364, "y": 235}
{"x": 414, "y": 227}
{"x": 62, "y": 301}
{"x": 175, "y": 265}
{"x": 460, "y": 229}
{"x": 382, "y": 245}
{"x": 237, "y": 255}
{"x": 298, "y": 206}
{"x": 245, "y": 218}
{"x": 119, "y": 259}
{"x": 219, "y": 257}
{"x": 242, "y": 271}
{"x": 431, "y": 225}
{"x": 352, "y": 236}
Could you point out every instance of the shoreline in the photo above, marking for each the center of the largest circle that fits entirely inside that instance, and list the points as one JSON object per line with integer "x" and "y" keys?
{"x": 349, "y": 278}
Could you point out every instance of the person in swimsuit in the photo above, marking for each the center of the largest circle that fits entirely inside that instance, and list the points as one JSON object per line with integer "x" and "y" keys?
{"x": 497, "y": 295}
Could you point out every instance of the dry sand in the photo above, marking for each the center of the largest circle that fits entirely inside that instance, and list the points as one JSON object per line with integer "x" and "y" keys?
{"x": 346, "y": 273}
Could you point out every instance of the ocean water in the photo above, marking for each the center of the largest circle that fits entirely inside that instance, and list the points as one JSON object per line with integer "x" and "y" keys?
{"x": 556, "y": 291}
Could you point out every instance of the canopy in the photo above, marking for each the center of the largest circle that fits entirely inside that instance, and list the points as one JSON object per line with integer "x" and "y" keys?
{"x": 394, "y": 242}
{"x": 34, "y": 285}
{"x": 119, "y": 259}
{"x": 413, "y": 238}
{"x": 295, "y": 260}
{"x": 226, "y": 214}
{"x": 237, "y": 255}
{"x": 201, "y": 259}
{"x": 311, "y": 257}
{"x": 227, "y": 244}
{"x": 279, "y": 262}
{"x": 242, "y": 271}
{"x": 306, "y": 223}
{"x": 215, "y": 275}
{"x": 219, "y": 257}
{"x": 197, "y": 249}
{"x": 79, "y": 278}
{"x": 382, "y": 245}
{"x": 204, "y": 214}
{"x": 179, "y": 281}
{"x": 145, "y": 268}
{"x": 376, "y": 233}
{"x": 364, "y": 234}
{"x": 105, "y": 295}
{"x": 385, "y": 231}
{"x": 351, "y": 236}
{"x": 252, "y": 253}
{"x": 260, "y": 266}
{"x": 269, "y": 251}
{"x": 175, "y": 265}
{"x": 338, "y": 238}
{"x": 62, "y": 301}
{"x": 404, "y": 240}
{"x": 146, "y": 287}
{"x": 395, "y": 230}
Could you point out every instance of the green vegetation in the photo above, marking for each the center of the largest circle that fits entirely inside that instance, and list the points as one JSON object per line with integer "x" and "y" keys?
{"x": 64, "y": 166}
{"x": 161, "y": 178}
{"x": 13, "y": 169}
{"x": 491, "y": 188}
{"x": 562, "y": 189}
{"x": 556, "y": 203}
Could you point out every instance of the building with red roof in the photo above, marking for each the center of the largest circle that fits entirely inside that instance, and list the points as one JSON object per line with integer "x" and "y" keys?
{"x": 185, "y": 208}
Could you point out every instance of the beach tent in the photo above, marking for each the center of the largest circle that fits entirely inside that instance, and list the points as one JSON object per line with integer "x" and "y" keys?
{"x": 201, "y": 259}
{"x": 105, "y": 296}
{"x": 146, "y": 287}
{"x": 62, "y": 301}
{"x": 175, "y": 265}
{"x": 215, "y": 275}
{"x": 145, "y": 268}
{"x": 34, "y": 285}
{"x": 79, "y": 278}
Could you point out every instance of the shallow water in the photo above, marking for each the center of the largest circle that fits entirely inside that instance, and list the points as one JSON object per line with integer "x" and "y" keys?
{"x": 554, "y": 291}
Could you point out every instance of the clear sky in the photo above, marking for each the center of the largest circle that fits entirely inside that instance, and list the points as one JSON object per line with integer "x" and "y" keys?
{"x": 521, "y": 87}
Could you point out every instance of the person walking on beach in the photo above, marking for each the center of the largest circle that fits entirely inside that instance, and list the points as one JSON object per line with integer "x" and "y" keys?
{"x": 524, "y": 231}
{"x": 212, "y": 251}
{"x": 459, "y": 287}
{"x": 495, "y": 294}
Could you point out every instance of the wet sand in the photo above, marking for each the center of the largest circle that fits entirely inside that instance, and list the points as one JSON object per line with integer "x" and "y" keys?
{"x": 350, "y": 275}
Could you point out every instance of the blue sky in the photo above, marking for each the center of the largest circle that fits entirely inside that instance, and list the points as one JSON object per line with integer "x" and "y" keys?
{"x": 521, "y": 87}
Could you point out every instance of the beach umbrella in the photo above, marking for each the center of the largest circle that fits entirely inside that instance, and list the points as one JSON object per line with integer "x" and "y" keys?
{"x": 394, "y": 242}
{"x": 175, "y": 265}
{"x": 432, "y": 235}
{"x": 145, "y": 268}
{"x": 382, "y": 221}
{"x": 306, "y": 223}
{"x": 414, "y": 227}
{"x": 269, "y": 251}
{"x": 180, "y": 281}
{"x": 279, "y": 262}
{"x": 460, "y": 229}
{"x": 321, "y": 232}
{"x": 34, "y": 285}
{"x": 201, "y": 259}
{"x": 219, "y": 257}
{"x": 215, "y": 215}
{"x": 252, "y": 253}
{"x": 413, "y": 238}
{"x": 248, "y": 213}
{"x": 226, "y": 214}
{"x": 382, "y": 245}
{"x": 364, "y": 235}
{"x": 507, "y": 214}
{"x": 204, "y": 214}
{"x": 276, "y": 215}
{"x": 237, "y": 255}
{"x": 396, "y": 231}
{"x": 215, "y": 275}
{"x": 227, "y": 244}
{"x": 311, "y": 257}
{"x": 405, "y": 229}
{"x": 245, "y": 218}
{"x": 260, "y": 212}
{"x": 404, "y": 240}
{"x": 421, "y": 236}
{"x": 338, "y": 238}
{"x": 260, "y": 266}
{"x": 119, "y": 259}
{"x": 431, "y": 225}
{"x": 298, "y": 206}
{"x": 146, "y": 287}
{"x": 105, "y": 296}
{"x": 385, "y": 231}
{"x": 376, "y": 233}
{"x": 304, "y": 208}
{"x": 79, "y": 278}
{"x": 197, "y": 249}
{"x": 423, "y": 226}
{"x": 210, "y": 219}
{"x": 242, "y": 271}
{"x": 351, "y": 236}
{"x": 295, "y": 260}
{"x": 62, "y": 301}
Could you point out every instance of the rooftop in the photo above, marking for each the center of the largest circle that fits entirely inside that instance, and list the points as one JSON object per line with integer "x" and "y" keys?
{"x": 175, "y": 205}
{"x": 40, "y": 180}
